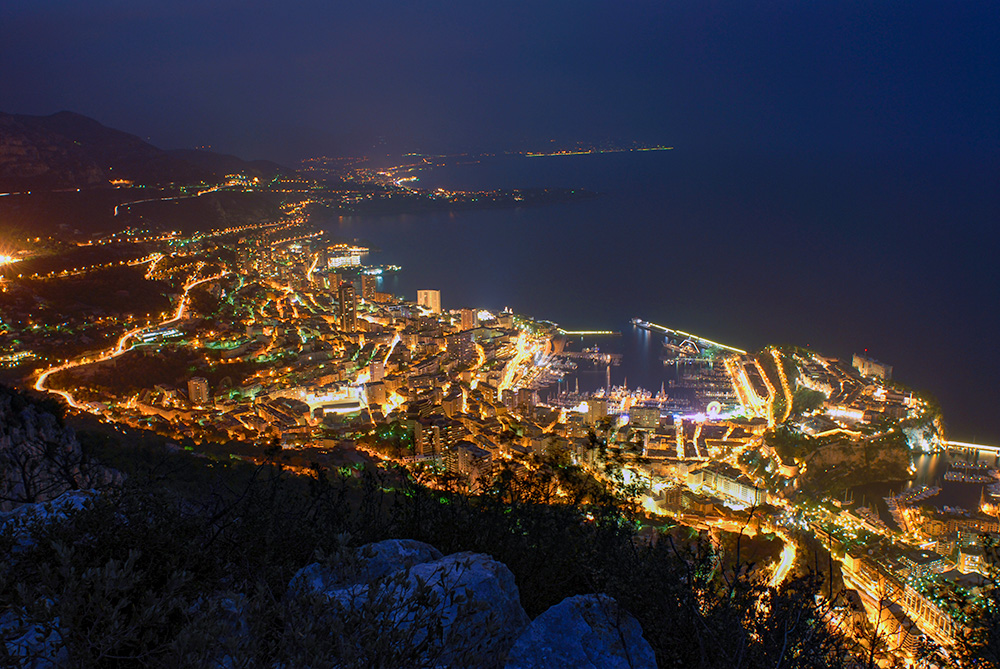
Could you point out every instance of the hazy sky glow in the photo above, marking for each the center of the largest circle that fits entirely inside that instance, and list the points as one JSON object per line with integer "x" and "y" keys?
{"x": 285, "y": 80}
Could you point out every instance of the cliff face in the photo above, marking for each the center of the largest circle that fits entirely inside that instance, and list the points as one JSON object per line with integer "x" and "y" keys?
{"x": 39, "y": 458}
{"x": 856, "y": 462}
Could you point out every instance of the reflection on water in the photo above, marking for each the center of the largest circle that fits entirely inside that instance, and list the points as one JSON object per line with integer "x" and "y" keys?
{"x": 930, "y": 467}
{"x": 640, "y": 366}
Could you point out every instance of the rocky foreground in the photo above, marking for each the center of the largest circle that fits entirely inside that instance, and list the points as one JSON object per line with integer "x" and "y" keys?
{"x": 40, "y": 459}
{"x": 426, "y": 609}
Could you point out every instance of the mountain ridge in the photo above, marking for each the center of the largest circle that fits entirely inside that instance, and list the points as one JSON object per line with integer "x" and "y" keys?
{"x": 68, "y": 150}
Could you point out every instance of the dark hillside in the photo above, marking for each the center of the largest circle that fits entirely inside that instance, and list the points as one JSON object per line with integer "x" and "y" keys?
{"x": 68, "y": 151}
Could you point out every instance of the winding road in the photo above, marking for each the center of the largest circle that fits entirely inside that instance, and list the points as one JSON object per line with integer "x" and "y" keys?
{"x": 122, "y": 346}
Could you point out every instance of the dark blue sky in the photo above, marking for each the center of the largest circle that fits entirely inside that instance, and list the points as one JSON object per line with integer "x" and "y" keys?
{"x": 287, "y": 80}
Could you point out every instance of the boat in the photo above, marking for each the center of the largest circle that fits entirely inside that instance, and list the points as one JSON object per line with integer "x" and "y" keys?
{"x": 968, "y": 478}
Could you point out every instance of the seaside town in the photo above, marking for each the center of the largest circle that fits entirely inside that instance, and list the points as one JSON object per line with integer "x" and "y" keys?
{"x": 467, "y": 335}
{"x": 273, "y": 333}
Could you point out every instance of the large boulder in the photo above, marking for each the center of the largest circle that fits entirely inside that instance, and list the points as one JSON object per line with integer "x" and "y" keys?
{"x": 583, "y": 632}
{"x": 478, "y": 606}
{"x": 462, "y": 610}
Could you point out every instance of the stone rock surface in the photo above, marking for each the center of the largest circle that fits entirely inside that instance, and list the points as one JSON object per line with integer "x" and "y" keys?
{"x": 583, "y": 632}
{"x": 369, "y": 562}
{"x": 858, "y": 462}
{"x": 479, "y": 607}
{"x": 39, "y": 458}
{"x": 385, "y": 557}
{"x": 52, "y": 510}
{"x": 923, "y": 436}
{"x": 462, "y": 610}
{"x": 23, "y": 518}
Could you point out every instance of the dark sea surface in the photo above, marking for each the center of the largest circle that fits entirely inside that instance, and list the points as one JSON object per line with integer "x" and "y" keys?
{"x": 896, "y": 256}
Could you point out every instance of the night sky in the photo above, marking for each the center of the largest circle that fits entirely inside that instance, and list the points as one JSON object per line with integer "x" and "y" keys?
{"x": 290, "y": 80}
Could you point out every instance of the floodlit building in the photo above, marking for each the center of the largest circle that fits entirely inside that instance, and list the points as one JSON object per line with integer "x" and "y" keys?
{"x": 454, "y": 402}
{"x": 644, "y": 417}
{"x": 972, "y": 558}
{"x": 198, "y": 391}
{"x": 871, "y": 367}
{"x": 727, "y": 481}
{"x": 471, "y": 462}
{"x": 369, "y": 286}
{"x": 525, "y": 398}
{"x": 376, "y": 393}
{"x": 462, "y": 347}
{"x": 922, "y": 563}
{"x": 470, "y": 319}
{"x": 342, "y": 255}
{"x": 597, "y": 408}
{"x": 430, "y": 299}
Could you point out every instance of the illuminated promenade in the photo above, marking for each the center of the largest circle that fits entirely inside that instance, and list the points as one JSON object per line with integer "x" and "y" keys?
{"x": 965, "y": 446}
{"x": 686, "y": 335}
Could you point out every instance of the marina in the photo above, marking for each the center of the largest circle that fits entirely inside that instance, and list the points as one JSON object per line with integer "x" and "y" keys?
{"x": 964, "y": 471}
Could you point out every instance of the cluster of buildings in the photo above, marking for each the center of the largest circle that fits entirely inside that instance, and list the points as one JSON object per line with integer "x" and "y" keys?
{"x": 298, "y": 344}
{"x": 905, "y": 585}
{"x": 319, "y": 355}
{"x": 856, "y": 393}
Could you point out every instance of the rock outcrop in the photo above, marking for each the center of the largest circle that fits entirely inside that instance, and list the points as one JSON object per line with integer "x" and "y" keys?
{"x": 25, "y": 519}
{"x": 583, "y": 632}
{"x": 396, "y": 603}
{"x": 367, "y": 564}
{"x": 39, "y": 458}
{"x": 55, "y": 510}
{"x": 462, "y": 610}
{"x": 28, "y": 644}
{"x": 843, "y": 462}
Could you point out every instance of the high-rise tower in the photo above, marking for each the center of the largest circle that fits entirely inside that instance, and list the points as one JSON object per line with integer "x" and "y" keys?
{"x": 470, "y": 319}
{"x": 348, "y": 307}
{"x": 369, "y": 285}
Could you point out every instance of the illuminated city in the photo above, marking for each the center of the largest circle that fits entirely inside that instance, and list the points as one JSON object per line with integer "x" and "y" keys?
{"x": 637, "y": 336}
{"x": 284, "y": 347}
